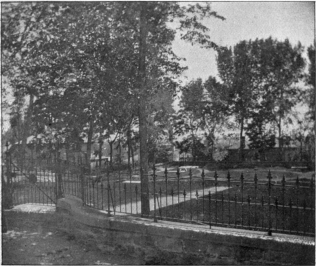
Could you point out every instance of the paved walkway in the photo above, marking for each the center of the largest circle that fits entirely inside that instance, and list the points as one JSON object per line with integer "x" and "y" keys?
{"x": 135, "y": 207}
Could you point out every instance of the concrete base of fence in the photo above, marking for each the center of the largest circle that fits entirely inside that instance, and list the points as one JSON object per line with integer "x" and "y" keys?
{"x": 175, "y": 243}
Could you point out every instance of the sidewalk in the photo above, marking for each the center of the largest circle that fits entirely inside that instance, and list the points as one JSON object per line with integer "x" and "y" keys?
{"x": 135, "y": 207}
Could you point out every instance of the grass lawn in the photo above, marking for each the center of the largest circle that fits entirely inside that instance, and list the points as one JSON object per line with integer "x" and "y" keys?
{"x": 249, "y": 209}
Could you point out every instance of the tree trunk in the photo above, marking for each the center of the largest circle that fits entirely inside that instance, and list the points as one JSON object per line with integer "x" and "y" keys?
{"x": 89, "y": 144}
{"x": 170, "y": 131}
{"x": 194, "y": 150}
{"x": 26, "y": 126}
{"x": 280, "y": 123}
{"x": 100, "y": 154}
{"x": 145, "y": 209}
{"x": 67, "y": 152}
{"x": 111, "y": 153}
{"x": 132, "y": 154}
{"x": 241, "y": 139}
{"x": 280, "y": 136}
{"x": 128, "y": 148}
{"x": 120, "y": 151}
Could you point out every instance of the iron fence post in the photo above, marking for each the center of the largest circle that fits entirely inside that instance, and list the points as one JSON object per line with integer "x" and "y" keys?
{"x": 235, "y": 199}
{"x": 59, "y": 180}
{"x": 209, "y": 208}
{"x": 256, "y": 186}
{"x": 197, "y": 205}
{"x": 312, "y": 191}
{"x": 304, "y": 216}
{"x": 262, "y": 208}
{"x": 248, "y": 200}
{"x": 203, "y": 184}
{"x": 136, "y": 192}
{"x": 154, "y": 179}
{"x": 276, "y": 203}
{"x": 166, "y": 178}
{"x": 82, "y": 186}
{"x": 184, "y": 195}
{"x": 269, "y": 203}
{"x": 190, "y": 175}
{"x": 242, "y": 198}
{"x": 215, "y": 177}
{"x": 160, "y": 202}
{"x": 108, "y": 185}
{"x": 172, "y": 192}
{"x": 228, "y": 191}
{"x": 7, "y": 187}
{"x": 283, "y": 202}
{"x": 297, "y": 202}
{"x": 178, "y": 175}
{"x": 290, "y": 204}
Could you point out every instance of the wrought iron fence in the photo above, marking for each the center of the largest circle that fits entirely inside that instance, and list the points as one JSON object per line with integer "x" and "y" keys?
{"x": 187, "y": 194}
{"x": 252, "y": 203}
{"x": 30, "y": 184}
{"x": 266, "y": 204}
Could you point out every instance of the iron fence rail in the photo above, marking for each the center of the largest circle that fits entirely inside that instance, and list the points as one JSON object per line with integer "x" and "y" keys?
{"x": 285, "y": 207}
{"x": 195, "y": 196}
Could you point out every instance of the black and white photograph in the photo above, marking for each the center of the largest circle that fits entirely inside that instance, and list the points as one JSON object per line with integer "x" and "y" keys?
{"x": 158, "y": 133}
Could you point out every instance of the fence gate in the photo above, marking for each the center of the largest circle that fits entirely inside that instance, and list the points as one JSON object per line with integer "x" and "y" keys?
{"x": 29, "y": 181}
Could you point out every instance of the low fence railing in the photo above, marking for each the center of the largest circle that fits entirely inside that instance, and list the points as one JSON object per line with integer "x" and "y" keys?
{"x": 259, "y": 200}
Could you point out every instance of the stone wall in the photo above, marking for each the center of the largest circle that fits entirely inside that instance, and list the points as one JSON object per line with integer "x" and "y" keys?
{"x": 177, "y": 243}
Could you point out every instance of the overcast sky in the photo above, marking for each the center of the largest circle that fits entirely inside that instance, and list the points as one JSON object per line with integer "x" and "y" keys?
{"x": 245, "y": 21}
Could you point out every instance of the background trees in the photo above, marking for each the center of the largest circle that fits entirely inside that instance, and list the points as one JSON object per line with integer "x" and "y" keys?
{"x": 202, "y": 115}
{"x": 237, "y": 70}
{"x": 261, "y": 79}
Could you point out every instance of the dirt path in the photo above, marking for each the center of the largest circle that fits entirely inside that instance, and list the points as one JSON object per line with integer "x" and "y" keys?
{"x": 34, "y": 238}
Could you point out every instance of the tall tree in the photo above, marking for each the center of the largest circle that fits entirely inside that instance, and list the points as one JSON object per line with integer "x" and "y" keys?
{"x": 189, "y": 120}
{"x": 310, "y": 80}
{"x": 202, "y": 115}
{"x": 237, "y": 70}
{"x": 260, "y": 133}
{"x": 156, "y": 59}
{"x": 281, "y": 67}
{"x": 261, "y": 74}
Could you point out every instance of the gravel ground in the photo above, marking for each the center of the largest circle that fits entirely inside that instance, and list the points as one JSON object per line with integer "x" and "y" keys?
{"x": 36, "y": 239}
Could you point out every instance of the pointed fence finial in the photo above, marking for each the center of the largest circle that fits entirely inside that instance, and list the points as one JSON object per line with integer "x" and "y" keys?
{"x": 269, "y": 175}
{"x": 283, "y": 181}
{"x": 242, "y": 177}
{"x": 297, "y": 181}
{"x": 228, "y": 178}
